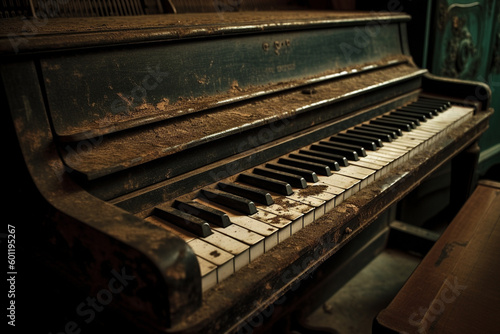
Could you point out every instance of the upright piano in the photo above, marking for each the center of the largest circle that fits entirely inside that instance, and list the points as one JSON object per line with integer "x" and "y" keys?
{"x": 196, "y": 172}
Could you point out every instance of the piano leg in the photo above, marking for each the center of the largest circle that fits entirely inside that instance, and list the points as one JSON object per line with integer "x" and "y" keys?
{"x": 463, "y": 176}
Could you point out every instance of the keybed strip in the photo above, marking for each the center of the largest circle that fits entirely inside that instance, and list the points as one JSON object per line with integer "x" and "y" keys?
{"x": 269, "y": 203}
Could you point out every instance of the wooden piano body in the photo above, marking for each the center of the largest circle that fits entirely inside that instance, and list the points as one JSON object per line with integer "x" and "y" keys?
{"x": 117, "y": 117}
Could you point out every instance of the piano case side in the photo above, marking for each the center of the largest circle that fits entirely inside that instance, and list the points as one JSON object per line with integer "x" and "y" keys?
{"x": 461, "y": 91}
{"x": 110, "y": 255}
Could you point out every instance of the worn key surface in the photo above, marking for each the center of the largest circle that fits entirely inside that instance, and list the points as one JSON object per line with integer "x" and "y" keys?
{"x": 284, "y": 208}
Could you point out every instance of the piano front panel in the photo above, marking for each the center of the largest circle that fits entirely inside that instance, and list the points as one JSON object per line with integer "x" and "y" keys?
{"x": 177, "y": 78}
{"x": 128, "y": 157}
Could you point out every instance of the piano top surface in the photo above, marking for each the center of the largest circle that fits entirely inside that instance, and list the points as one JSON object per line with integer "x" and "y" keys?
{"x": 63, "y": 33}
{"x": 82, "y": 84}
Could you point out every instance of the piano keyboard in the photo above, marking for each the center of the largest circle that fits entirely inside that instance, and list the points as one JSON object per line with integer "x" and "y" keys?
{"x": 234, "y": 222}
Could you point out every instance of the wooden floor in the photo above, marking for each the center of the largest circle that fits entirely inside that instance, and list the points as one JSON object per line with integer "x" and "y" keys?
{"x": 352, "y": 309}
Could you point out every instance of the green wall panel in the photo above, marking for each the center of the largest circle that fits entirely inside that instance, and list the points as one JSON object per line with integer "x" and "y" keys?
{"x": 464, "y": 44}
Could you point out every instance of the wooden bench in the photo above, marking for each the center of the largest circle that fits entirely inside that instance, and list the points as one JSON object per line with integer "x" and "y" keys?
{"x": 456, "y": 287}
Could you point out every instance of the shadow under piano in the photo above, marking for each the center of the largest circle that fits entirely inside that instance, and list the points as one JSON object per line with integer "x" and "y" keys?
{"x": 217, "y": 172}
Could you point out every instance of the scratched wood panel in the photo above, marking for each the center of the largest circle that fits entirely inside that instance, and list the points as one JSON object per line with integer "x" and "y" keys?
{"x": 139, "y": 85}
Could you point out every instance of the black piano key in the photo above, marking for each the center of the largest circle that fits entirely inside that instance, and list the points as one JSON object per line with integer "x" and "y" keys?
{"x": 429, "y": 113}
{"x": 406, "y": 118}
{"x": 254, "y": 194}
{"x": 375, "y": 140}
{"x": 445, "y": 103}
{"x": 232, "y": 201}
{"x": 277, "y": 186}
{"x": 369, "y": 145}
{"x": 392, "y": 131}
{"x": 184, "y": 220}
{"x": 296, "y": 181}
{"x": 420, "y": 117}
{"x": 317, "y": 168}
{"x": 380, "y": 128}
{"x": 441, "y": 105}
{"x": 438, "y": 108}
{"x": 411, "y": 125}
{"x": 359, "y": 149}
{"x": 382, "y": 136}
{"x": 434, "y": 99}
{"x": 400, "y": 125}
{"x": 204, "y": 212}
{"x": 348, "y": 153}
{"x": 307, "y": 174}
{"x": 412, "y": 122}
{"x": 334, "y": 161}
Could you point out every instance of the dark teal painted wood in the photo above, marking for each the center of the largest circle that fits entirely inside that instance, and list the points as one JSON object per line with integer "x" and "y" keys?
{"x": 91, "y": 90}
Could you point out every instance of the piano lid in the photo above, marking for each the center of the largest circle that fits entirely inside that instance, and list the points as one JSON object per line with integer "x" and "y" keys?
{"x": 198, "y": 64}
{"x": 21, "y": 35}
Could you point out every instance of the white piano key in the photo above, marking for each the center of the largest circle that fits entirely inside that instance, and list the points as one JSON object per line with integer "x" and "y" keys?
{"x": 269, "y": 232}
{"x": 208, "y": 272}
{"x": 431, "y": 136}
{"x": 410, "y": 147}
{"x": 208, "y": 269}
{"x": 338, "y": 191}
{"x": 379, "y": 159}
{"x": 366, "y": 176}
{"x": 378, "y": 168}
{"x": 317, "y": 191}
{"x": 418, "y": 135}
{"x": 250, "y": 236}
{"x": 350, "y": 184}
{"x": 275, "y": 223}
{"x": 316, "y": 203}
{"x": 365, "y": 163}
{"x": 254, "y": 240}
{"x": 295, "y": 219}
{"x": 284, "y": 226}
{"x": 408, "y": 142}
{"x": 393, "y": 159}
{"x": 402, "y": 153}
{"x": 222, "y": 259}
{"x": 239, "y": 250}
{"x": 276, "y": 220}
{"x": 286, "y": 204}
